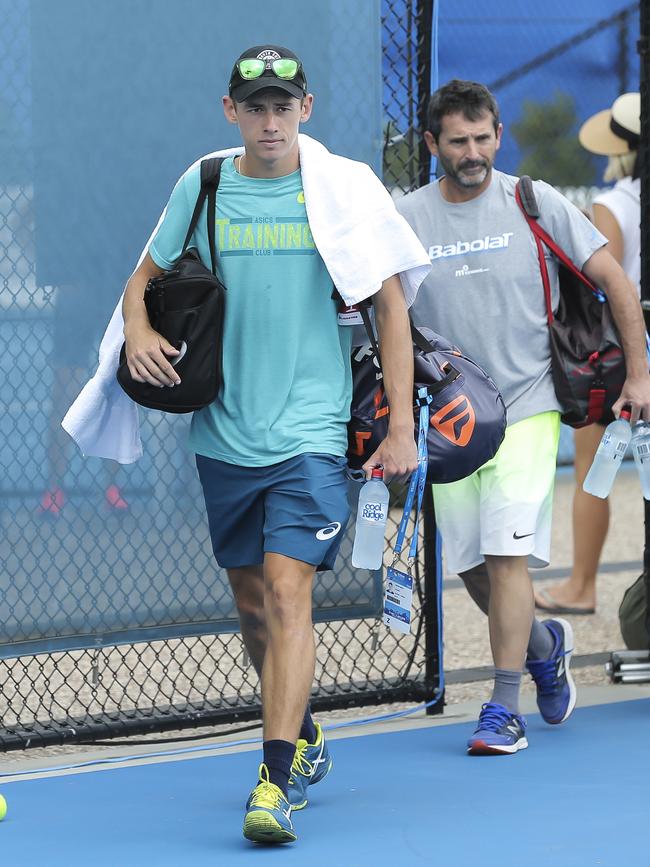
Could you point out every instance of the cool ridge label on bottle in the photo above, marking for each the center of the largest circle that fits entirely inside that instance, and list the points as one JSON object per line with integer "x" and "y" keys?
{"x": 373, "y": 512}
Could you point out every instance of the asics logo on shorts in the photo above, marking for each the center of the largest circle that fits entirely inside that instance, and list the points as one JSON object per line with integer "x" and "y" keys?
{"x": 456, "y": 420}
{"x": 328, "y": 532}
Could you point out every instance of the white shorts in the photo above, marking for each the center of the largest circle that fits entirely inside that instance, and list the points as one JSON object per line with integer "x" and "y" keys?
{"x": 505, "y": 507}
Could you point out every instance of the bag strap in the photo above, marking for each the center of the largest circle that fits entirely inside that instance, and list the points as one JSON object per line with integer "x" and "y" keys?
{"x": 450, "y": 372}
{"x": 525, "y": 197}
{"x": 363, "y": 310}
{"x": 416, "y": 336}
{"x": 419, "y": 339}
{"x": 210, "y": 176}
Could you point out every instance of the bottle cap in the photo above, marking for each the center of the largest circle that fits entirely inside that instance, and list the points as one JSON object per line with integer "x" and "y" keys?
{"x": 377, "y": 473}
{"x": 626, "y": 413}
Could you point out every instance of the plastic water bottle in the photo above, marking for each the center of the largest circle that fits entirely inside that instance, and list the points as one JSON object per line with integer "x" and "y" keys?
{"x": 641, "y": 452}
{"x": 609, "y": 456}
{"x": 370, "y": 529}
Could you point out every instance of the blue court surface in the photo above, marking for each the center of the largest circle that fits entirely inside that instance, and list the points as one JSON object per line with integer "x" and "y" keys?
{"x": 580, "y": 795}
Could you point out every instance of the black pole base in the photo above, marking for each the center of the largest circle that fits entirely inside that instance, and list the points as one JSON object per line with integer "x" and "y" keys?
{"x": 629, "y": 666}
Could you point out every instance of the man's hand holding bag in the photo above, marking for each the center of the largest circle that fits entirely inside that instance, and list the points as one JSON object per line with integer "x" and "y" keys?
{"x": 185, "y": 306}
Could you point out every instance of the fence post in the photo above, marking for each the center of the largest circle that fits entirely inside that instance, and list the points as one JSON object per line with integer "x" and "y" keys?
{"x": 424, "y": 46}
{"x": 623, "y": 65}
{"x": 644, "y": 154}
{"x": 431, "y": 607}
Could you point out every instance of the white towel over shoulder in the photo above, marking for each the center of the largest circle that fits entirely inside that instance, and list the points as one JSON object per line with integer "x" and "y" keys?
{"x": 360, "y": 237}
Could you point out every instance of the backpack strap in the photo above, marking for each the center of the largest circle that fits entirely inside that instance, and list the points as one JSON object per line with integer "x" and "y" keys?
{"x": 210, "y": 176}
{"x": 525, "y": 197}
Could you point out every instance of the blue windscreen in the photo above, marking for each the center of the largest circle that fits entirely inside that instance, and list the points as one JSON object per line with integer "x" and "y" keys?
{"x": 103, "y": 105}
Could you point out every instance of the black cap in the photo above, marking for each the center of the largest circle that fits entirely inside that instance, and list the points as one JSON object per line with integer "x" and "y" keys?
{"x": 240, "y": 88}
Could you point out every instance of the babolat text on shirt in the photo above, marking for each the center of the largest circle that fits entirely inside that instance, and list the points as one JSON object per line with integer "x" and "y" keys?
{"x": 461, "y": 248}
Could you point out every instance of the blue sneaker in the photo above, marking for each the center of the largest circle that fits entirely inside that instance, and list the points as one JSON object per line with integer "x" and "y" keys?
{"x": 268, "y": 813}
{"x": 498, "y": 732}
{"x": 556, "y": 691}
{"x": 311, "y": 764}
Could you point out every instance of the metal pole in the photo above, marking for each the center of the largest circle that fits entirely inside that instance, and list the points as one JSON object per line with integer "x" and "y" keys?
{"x": 623, "y": 66}
{"x": 411, "y": 132}
{"x": 432, "y": 606}
{"x": 425, "y": 36}
{"x": 644, "y": 154}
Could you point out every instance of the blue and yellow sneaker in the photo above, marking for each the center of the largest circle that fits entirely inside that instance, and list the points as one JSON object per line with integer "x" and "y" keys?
{"x": 499, "y": 732}
{"x": 556, "y": 691}
{"x": 311, "y": 763}
{"x": 268, "y": 813}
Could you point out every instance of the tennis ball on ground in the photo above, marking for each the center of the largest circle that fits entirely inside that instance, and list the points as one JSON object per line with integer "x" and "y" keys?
{"x": 3, "y": 808}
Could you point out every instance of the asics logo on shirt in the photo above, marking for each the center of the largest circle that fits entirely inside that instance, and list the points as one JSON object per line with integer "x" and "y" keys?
{"x": 461, "y": 248}
{"x": 328, "y": 532}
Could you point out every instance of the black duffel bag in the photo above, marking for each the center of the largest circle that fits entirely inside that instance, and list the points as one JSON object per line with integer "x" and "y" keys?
{"x": 587, "y": 361}
{"x": 186, "y": 306}
{"x": 467, "y": 416}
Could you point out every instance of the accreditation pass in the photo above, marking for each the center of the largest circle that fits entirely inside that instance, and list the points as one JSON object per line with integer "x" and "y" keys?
{"x": 398, "y": 595}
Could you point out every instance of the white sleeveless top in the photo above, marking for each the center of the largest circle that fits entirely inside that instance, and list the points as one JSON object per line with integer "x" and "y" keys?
{"x": 624, "y": 202}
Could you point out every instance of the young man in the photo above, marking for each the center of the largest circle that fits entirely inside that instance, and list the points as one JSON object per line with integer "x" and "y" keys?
{"x": 485, "y": 293}
{"x": 271, "y": 449}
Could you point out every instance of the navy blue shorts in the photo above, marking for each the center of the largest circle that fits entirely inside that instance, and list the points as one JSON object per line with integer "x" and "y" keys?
{"x": 298, "y": 508}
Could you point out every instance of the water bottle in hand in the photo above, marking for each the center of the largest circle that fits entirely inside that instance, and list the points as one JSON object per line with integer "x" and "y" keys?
{"x": 609, "y": 456}
{"x": 641, "y": 452}
{"x": 370, "y": 529}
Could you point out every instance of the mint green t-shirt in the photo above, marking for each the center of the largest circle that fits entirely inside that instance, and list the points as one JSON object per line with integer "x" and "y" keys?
{"x": 286, "y": 361}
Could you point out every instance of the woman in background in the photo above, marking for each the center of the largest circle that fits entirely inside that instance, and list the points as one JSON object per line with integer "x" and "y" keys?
{"x": 617, "y": 214}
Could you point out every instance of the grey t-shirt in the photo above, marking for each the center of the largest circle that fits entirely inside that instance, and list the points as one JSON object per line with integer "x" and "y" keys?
{"x": 485, "y": 292}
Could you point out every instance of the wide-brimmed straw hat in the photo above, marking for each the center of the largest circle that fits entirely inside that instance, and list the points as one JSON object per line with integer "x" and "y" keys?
{"x": 616, "y": 130}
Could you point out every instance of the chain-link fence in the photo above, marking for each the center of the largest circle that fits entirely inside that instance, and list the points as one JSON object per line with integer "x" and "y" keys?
{"x": 113, "y": 615}
{"x": 409, "y": 71}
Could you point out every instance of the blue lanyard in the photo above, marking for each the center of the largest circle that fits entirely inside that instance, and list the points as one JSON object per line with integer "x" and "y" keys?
{"x": 418, "y": 480}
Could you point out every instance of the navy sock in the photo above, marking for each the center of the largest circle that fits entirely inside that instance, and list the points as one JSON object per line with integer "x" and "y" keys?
{"x": 308, "y": 729}
{"x": 542, "y": 641}
{"x": 506, "y": 689}
{"x": 278, "y": 757}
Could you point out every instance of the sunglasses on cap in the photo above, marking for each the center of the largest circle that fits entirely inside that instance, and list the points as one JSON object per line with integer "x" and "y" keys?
{"x": 251, "y": 68}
